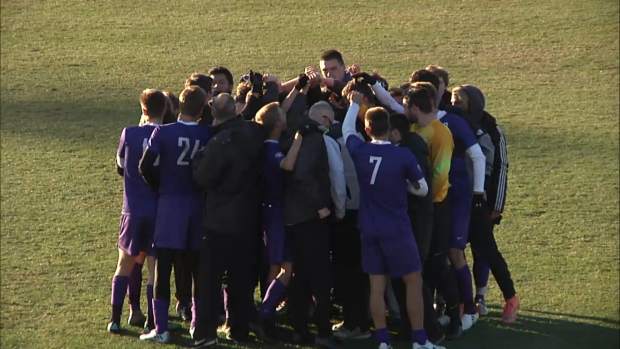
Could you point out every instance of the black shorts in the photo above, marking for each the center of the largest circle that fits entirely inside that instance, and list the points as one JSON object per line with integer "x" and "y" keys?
{"x": 441, "y": 227}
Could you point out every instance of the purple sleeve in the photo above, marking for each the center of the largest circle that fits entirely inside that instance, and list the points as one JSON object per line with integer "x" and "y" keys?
{"x": 155, "y": 141}
{"x": 466, "y": 134}
{"x": 414, "y": 172}
{"x": 353, "y": 143}
{"x": 121, "y": 145}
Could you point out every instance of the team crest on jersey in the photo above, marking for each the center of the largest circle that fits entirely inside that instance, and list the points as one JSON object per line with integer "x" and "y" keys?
{"x": 279, "y": 155}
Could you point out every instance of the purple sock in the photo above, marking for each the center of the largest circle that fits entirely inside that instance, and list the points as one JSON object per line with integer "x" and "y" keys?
{"x": 149, "y": 304}
{"x": 273, "y": 296}
{"x": 135, "y": 287}
{"x": 481, "y": 277}
{"x": 419, "y": 336}
{"x": 466, "y": 292}
{"x": 382, "y": 335}
{"x": 160, "y": 312}
{"x": 119, "y": 289}
{"x": 195, "y": 302}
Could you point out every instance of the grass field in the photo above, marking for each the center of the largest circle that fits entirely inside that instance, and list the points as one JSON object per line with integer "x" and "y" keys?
{"x": 72, "y": 72}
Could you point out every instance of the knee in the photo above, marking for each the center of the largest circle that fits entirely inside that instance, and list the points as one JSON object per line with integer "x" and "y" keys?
{"x": 125, "y": 264}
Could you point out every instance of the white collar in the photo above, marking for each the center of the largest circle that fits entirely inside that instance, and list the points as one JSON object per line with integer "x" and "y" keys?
{"x": 275, "y": 141}
{"x": 379, "y": 142}
{"x": 152, "y": 124}
{"x": 441, "y": 114}
{"x": 189, "y": 123}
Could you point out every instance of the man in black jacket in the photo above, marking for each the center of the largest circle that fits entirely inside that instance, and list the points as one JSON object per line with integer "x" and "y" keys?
{"x": 228, "y": 170}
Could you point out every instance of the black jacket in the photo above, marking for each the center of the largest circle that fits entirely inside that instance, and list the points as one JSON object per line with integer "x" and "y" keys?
{"x": 308, "y": 187}
{"x": 229, "y": 170}
{"x": 496, "y": 185}
{"x": 419, "y": 148}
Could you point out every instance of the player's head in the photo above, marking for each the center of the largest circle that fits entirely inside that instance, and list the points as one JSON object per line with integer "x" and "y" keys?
{"x": 397, "y": 94}
{"x": 399, "y": 127}
{"x": 421, "y": 99}
{"x": 173, "y": 108}
{"x": 222, "y": 80}
{"x": 332, "y": 65}
{"x": 441, "y": 73}
{"x": 273, "y": 118}
{"x": 471, "y": 100}
{"x": 381, "y": 80}
{"x": 323, "y": 113}
{"x": 223, "y": 107}
{"x": 241, "y": 95}
{"x": 424, "y": 75}
{"x": 192, "y": 101}
{"x": 154, "y": 104}
{"x": 203, "y": 81}
{"x": 364, "y": 89}
{"x": 377, "y": 122}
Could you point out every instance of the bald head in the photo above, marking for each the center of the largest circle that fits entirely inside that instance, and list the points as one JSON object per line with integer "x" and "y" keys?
{"x": 223, "y": 107}
{"x": 323, "y": 113}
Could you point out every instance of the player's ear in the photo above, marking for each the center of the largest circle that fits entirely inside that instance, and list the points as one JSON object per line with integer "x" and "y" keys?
{"x": 143, "y": 111}
{"x": 367, "y": 129}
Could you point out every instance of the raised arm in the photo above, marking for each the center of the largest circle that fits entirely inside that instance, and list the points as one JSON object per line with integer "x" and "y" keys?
{"x": 348, "y": 126}
{"x": 382, "y": 95}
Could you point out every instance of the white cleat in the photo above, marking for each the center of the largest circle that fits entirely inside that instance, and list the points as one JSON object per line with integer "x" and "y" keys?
{"x": 428, "y": 345}
{"x": 385, "y": 346}
{"x": 444, "y": 320}
{"x": 482, "y": 309}
{"x": 468, "y": 320}
{"x": 153, "y": 336}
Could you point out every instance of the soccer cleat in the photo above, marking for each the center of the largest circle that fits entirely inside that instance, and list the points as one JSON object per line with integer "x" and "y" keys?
{"x": 192, "y": 330}
{"x": 385, "y": 346}
{"x": 204, "y": 343}
{"x": 114, "y": 327}
{"x": 444, "y": 320}
{"x": 428, "y": 345}
{"x": 153, "y": 336}
{"x": 482, "y": 309}
{"x": 146, "y": 329}
{"x": 510, "y": 310}
{"x": 136, "y": 319}
{"x": 330, "y": 342}
{"x": 468, "y": 320}
{"x": 344, "y": 333}
{"x": 282, "y": 308}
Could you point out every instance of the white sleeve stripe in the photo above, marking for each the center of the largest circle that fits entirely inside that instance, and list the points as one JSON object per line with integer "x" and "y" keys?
{"x": 501, "y": 189}
{"x": 120, "y": 162}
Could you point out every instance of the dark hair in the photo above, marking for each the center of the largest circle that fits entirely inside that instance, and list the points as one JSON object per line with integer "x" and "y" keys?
{"x": 359, "y": 87}
{"x": 242, "y": 91}
{"x": 424, "y": 75}
{"x": 225, "y": 72}
{"x": 378, "y": 120}
{"x": 268, "y": 116}
{"x": 201, "y": 80}
{"x": 173, "y": 105}
{"x": 400, "y": 122}
{"x": 332, "y": 54}
{"x": 441, "y": 72}
{"x": 192, "y": 101}
{"x": 381, "y": 80}
{"x": 154, "y": 101}
{"x": 423, "y": 95}
{"x": 396, "y": 92}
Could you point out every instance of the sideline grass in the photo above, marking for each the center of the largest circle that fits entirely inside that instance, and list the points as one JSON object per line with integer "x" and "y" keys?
{"x": 72, "y": 72}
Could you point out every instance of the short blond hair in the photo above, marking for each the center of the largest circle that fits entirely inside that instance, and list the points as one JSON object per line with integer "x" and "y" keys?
{"x": 269, "y": 116}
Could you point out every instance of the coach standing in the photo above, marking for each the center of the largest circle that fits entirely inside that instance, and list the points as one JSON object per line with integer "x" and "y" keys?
{"x": 228, "y": 170}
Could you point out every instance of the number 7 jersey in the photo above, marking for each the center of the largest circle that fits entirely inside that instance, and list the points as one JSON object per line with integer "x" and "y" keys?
{"x": 177, "y": 144}
{"x": 382, "y": 173}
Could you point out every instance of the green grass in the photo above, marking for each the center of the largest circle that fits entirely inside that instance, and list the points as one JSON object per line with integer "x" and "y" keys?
{"x": 72, "y": 72}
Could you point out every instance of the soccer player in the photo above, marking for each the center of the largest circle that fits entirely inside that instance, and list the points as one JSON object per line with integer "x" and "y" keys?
{"x": 385, "y": 174}
{"x": 222, "y": 80}
{"x": 138, "y": 215}
{"x": 443, "y": 90}
{"x": 486, "y": 214}
{"x": 205, "y": 83}
{"x": 179, "y": 216}
{"x": 278, "y": 251}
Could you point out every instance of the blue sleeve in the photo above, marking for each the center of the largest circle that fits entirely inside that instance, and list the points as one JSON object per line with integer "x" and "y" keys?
{"x": 155, "y": 141}
{"x": 353, "y": 143}
{"x": 465, "y": 133}
{"x": 412, "y": 168}
{"x": 274, "y": 159}
{"x": 121, "y": 145}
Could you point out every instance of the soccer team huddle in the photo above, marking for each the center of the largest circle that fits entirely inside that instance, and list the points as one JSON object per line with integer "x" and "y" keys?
{"x": 328, "y": 189}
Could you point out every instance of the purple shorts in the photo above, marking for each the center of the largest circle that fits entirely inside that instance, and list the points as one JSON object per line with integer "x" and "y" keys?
{"x": 460, "y": 212}
{"x": 394, "y": 256}
{"x": 179, "y": 222}
{"x": 136, "y": 234}
{"x": 274, "y": 230}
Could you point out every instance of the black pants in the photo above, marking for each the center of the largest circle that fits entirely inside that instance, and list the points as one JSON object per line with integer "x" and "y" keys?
{"x": 350, "y": 282}
{"x": 437, "y": 273}
{"x": 312, "y": 275}
{"x": 422, "y": 225}
{"x": 235, "y": 254}
{"x": 182, "y": 279}
{"x": 164, "y": 260}
{"x": 483, "y": 243}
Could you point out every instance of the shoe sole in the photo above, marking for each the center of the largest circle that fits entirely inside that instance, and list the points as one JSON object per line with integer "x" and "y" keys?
{"x": 511, "y": 319}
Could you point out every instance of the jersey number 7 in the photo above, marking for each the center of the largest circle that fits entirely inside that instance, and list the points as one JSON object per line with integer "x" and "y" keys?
{"x": 377, "y": 161}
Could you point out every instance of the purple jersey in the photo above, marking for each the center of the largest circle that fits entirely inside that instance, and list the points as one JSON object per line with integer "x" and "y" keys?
{"x": 139, "y": 198}
{"x": 176, "y": 145}
{"x": 464, "y": 138}
{"x": 273, "y": 176}
{"x": 382, "y": 172}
